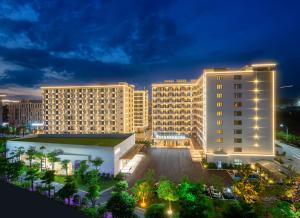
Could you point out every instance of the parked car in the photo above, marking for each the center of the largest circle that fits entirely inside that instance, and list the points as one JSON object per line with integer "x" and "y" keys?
{"x": 228, "y": 193}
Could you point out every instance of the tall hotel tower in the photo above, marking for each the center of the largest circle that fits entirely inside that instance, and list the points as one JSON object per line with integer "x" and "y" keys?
{"x": 230, "y": 113}
{"x": 107, "y": 108}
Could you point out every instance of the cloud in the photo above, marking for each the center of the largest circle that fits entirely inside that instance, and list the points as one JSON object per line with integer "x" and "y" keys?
{"x": 17, "y": 12}
{"x": 5, "y": 67}
{"x": 18, "y": 91}
{"x": 96, "y": 52}
{"x": 17, "y": 40}
{"x": 50, "y": 74}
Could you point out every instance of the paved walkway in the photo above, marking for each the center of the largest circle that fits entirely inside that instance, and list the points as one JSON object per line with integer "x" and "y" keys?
{"x": 174, "y": 164}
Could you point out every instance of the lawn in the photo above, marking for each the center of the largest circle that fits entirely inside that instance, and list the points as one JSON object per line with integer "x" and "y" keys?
{"x": 104, "y": 183}
{"x": 107, "y": 142}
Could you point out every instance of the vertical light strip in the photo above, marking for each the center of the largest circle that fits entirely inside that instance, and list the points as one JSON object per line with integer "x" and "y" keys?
{"x": 273, "y": 110}
{"x": 256, "y": 99}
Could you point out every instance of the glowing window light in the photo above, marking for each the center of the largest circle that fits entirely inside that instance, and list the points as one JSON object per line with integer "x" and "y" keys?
{"x": 256, "y": 118}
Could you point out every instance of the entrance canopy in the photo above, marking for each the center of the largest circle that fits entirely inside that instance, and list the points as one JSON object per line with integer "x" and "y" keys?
{"x": 169, "y": 135}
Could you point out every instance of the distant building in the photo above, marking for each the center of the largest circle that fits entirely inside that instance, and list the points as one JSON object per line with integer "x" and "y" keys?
{"x": 229, "y": 112}
{"x": 1, "y": 108}
{"x": 24, "y": 113}
{"x": 141, "y": 110}
{"x": 94, "y": 109}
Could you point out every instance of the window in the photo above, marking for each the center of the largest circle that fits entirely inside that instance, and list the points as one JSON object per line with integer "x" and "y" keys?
{"x": 237, "y": 149}
{"x": 237, "y": 113}
{"x": 219, "y": 77}
{"x": 219, "y": 104}
{"x": 237, "y": 104}
{"x": 237, "y": 77}
{"x": 219, "y": 140}
{"x": 219, "y": 95}
{"x": 237, "y": 86}
{"x": 219, "y": 113}
{"x": 237, "y": 122}
{"x": 237, "y": 131}
{"x": 237, "y": 140}
{"x": 219, "y": 86}
{"x": 219, "y": 131}
{"x": 237, "y": 95}
{"x": 219, "y": 122}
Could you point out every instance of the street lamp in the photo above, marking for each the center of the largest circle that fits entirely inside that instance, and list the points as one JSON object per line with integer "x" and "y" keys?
{"x": 286, "y": 129}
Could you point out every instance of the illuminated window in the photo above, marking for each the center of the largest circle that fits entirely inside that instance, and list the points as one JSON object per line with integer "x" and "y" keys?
{"x": 219, "y": 131}
{"x": 237, "y": 95}
{"x": 219, "y": 122}
{"x": 237, "y": 86}
{"x": 219, "y": 86}
{"x": 237, "y": 77}
{"x": 219, "y": 104}
{"x": 237, "y": 140}
{"x": 219, "y": 95}
{"x": 237, "y": 131}
{"x": 237, "y": 149}
{"x": 237, "y": 122}
{"x": 219, "y": 140}
{"x": 219, "y": 77}
{"x": 237, "y": 104}
{"x": 219, "y": 113}
{"x": 237, "y": 113}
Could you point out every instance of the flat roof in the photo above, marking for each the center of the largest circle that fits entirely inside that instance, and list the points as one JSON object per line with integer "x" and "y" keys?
{"x": 104, "y": 141}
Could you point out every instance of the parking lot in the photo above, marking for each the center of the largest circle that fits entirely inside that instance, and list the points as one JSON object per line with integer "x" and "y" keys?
{"x": 175, "y": 164}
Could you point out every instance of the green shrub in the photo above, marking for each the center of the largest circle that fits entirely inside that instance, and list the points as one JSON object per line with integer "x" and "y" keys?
{"x": 155, "y": 211}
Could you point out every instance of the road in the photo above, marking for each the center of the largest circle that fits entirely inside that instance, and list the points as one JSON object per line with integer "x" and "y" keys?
{"x": 292, "y": 155}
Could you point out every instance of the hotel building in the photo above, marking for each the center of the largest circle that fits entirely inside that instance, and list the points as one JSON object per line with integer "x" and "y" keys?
{"x": 24, "y": 113}
{"x": 230, "y": 113}
{"x": 92, "y": 109}
{"x": 141, "y": 110}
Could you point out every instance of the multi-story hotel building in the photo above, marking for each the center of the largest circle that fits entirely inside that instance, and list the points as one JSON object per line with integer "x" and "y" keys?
{"x": 229, "y": 112}
{"x": 24, "y": 112}
{"x": 141, "y": 110}
{"x": 172, "y": 112}
{"x": 92, "y": 109}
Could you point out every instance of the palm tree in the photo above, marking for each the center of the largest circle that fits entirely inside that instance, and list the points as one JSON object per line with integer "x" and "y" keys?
{"x": 31, "y": 154}
{"x": 65, "y": 165}
{"x": 32, "y": 174}
{"x": 47, "y": 179}
{"x": 97, "y": 162}
{"x": 41, "y": 156}
{"x": 19, "y": 151}
{"x": 52, "y": 157}
{"x": 68, "y": 190}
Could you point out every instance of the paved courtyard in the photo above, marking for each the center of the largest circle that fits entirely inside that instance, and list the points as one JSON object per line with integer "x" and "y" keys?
{"x": 174, "y": 164}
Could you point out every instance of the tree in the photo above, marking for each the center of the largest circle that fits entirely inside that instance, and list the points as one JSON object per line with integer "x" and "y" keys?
{"x": 121, "y": 205}
{"x": 97, "y": 162}
{"x": 65, "y": 165}
{"x": 19, "y": 151}
{"x": 91, "y": 177}
{"x": 31, "y": 152}
{"x": 233, "y": 209}
{"x": 32, "y": 174}
{"x": 193, "y": 202}
{"x": 52, "y": 157}
{"x": 120, "y": 186}
{"x": 142, "y": 191}
{"x": 47, "y": 179}
{"x": 93, "y": 193}
{"x": 283, "y": 209}
{"x": 68, "y": 190}
{"x": 155, "y": 211}
{"x": 41, "y": 156}
{"x": 80, "y": 172}
{"x": 166, "y": 191}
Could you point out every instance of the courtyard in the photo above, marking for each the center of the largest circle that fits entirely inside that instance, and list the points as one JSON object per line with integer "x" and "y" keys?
{"x": 175, "y": 164}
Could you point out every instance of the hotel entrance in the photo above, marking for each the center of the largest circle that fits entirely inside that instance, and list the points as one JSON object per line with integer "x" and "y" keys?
{"x": 171, "y": 140}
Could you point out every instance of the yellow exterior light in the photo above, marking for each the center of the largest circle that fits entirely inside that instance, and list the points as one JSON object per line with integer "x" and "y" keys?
{"x": 256, "y": 127}
{"x": 256, "y": 136}
{"x": 256, "y": 81}
{"x": 256, "y": 145}
{"x": 256, "y": 118}
{"x": 256, "y": 99}
{"x": 169, "y": 212}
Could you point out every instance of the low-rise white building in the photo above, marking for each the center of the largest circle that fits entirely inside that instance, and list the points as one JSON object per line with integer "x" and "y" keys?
{"x": 109, "y": 147}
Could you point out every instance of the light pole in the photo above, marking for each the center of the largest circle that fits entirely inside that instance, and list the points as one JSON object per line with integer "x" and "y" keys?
{"x": 286, "y": 129}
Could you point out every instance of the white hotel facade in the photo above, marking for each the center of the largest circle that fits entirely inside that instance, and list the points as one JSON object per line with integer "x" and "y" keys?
{"x": 229, "y": 113}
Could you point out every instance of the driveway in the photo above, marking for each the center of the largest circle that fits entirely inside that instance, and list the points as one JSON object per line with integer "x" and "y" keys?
{"x": 175, "y": 164}
{"x": 292, "y": 155}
